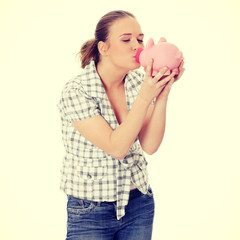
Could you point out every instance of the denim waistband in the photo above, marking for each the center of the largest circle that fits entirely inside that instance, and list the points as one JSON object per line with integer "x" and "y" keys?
{"x": 132, "y": 195}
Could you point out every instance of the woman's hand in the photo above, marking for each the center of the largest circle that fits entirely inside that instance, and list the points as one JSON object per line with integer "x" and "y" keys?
{"x": 174, "y": 77}
{"x": 181, "y": 71}
{"x": 152, "y": 131}
{"x": 153, "y": 86}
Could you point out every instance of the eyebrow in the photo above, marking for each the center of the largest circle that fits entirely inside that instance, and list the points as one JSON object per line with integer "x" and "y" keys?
{"x": 128, "y": 34}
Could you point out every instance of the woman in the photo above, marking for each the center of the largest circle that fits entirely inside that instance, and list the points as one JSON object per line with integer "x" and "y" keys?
{"x": 111, "y": 113}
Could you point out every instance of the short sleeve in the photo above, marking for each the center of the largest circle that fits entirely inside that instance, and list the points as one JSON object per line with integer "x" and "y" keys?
{"x": 76, "y": 105}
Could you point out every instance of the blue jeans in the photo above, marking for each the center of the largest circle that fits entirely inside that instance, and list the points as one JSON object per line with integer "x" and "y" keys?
{"x": 88, "y": 220}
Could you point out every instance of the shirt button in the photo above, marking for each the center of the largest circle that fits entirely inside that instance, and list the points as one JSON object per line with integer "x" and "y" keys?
{"x": 89, "y": 176}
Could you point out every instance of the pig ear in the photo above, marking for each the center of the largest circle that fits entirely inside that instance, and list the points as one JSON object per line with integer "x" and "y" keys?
{"x": 162, "y": 39}
{"x": 179, "y": 55}
{"x": 150, "y": 43}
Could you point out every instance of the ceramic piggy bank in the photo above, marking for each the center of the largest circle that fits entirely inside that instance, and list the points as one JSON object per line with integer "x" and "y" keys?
{"x": 164, "y": 54}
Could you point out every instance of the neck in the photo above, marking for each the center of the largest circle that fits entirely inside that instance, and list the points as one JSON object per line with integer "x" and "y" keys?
{"x": 111, "y": 76}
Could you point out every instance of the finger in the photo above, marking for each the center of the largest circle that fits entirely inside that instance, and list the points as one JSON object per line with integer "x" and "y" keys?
{"x": 181, "y": 64}
{"x": 169, "y": 77}
{"x": 149, "y": 68}
{"x": 169, "y": 84}
{"x": 164, "y": 81}
{"x": 160, "y": 74}
{"x": 180, "y": 74}
{"x": 174, "y": 73}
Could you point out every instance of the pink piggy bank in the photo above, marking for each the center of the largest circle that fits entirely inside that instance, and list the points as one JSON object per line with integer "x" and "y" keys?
{"x": 164, "y": 54}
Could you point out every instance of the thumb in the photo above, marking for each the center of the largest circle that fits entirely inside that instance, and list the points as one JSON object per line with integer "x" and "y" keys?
{"x": 149, "y": 68}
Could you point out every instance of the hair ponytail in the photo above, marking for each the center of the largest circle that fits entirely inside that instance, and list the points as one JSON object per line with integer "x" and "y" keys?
{"x": 89, "y": 49}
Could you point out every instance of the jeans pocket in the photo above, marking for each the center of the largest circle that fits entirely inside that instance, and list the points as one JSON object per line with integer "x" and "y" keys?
{"x": 150, "y": 193}
{"x": 77, "y": 208}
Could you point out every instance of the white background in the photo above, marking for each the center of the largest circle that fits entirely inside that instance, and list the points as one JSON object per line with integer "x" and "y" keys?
{"x": 195, "y": 174}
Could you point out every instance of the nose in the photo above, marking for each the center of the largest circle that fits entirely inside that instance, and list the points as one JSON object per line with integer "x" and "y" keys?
{"x": 136, "y": 45}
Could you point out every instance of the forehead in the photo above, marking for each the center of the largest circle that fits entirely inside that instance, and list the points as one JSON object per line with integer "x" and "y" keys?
{"x": 125, "y": 25}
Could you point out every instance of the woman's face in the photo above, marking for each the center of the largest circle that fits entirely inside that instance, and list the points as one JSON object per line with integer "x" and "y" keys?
{"x": 125, "y": 38}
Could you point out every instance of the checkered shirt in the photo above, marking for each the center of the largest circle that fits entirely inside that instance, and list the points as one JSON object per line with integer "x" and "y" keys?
{"x": 87, "y": 171}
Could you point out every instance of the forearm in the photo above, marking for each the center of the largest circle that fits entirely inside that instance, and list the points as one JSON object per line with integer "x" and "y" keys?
{"x": 125, "y": 134}
{"x": 152, "y": 133}
{"x": 116, "y": 142}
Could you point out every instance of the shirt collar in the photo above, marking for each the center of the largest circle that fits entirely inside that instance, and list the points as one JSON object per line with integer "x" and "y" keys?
{"x": 91, "y": 81}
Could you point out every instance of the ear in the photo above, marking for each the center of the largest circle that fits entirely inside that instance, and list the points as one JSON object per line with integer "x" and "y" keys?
{"x": 102, "y": 48}
{"x": 150, "y": 43}
{"x": 162, "y": 39}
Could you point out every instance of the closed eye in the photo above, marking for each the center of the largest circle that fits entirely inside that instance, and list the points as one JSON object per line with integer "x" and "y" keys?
{"x": 128, "y": 40}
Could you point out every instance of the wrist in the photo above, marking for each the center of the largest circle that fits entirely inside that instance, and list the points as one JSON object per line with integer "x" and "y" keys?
{"x": 144, "y": 100}
{"x": 161, "y": 99}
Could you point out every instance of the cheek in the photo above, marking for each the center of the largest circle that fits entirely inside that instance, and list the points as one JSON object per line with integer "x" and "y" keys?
{"x": 123, "y": 48}
{"x": 120, "y": 52}
{"x": 116, "y": 49}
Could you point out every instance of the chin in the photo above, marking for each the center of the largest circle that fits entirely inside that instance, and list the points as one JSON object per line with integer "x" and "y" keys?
{"x": 134, "y": 65}
{"x": 129, "y": 65}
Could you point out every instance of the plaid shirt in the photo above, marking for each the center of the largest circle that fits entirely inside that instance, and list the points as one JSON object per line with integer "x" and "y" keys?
{"x": 88, "y": 172}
